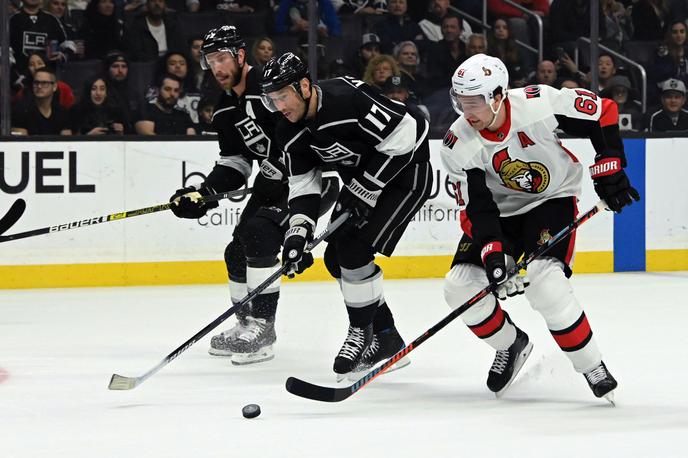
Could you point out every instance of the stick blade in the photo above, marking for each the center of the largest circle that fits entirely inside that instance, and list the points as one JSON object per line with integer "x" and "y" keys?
{"x": 308, "y": 390}
{"x": 120, "y": 383}
{"x": 13, "y": 214}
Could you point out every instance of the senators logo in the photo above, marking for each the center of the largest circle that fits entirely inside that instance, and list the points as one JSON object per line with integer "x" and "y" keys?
{"x": 450, "y": 139}
{"x": 532, "y": 177}
{"x": 545, "y": 237}
{"x": 487, "y": 71}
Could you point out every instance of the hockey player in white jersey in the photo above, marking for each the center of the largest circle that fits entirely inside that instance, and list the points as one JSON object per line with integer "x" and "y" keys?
{"x": 517, "y": 185}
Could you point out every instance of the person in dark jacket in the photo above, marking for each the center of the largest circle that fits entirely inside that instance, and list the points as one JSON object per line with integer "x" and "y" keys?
{"x": 398, "y": 27}
{"x": 154, "y": 33}
{"x": 446, "y": 55}
{"x": 97, "y": 113}
{"x": 672, "y": 116}
{"x": 292, "y": 16}
{"x": 650, "y": 19}
{"x": 101, "y": 31}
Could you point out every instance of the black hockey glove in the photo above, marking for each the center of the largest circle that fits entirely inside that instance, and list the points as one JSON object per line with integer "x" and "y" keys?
{"x": 186, "y": 203}
{"x": 294, "y": 248}
{"x": 497, "y": 265}
{"x": 358, "y": 199}
{"x": 612, "y": 184}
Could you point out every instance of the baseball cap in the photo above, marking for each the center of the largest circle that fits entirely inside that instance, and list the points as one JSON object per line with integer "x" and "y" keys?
{"x": 369, "y": 39}
{"x": 672, "y": 84}
{"x": 396, "y": 82}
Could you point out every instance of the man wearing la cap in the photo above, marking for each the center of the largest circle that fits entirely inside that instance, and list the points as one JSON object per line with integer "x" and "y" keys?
{"x": 672, "y": 116}
{"x": 370, "y": 47}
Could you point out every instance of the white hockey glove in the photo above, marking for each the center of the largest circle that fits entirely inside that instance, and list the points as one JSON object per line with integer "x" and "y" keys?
{"x": 497, "y": 265}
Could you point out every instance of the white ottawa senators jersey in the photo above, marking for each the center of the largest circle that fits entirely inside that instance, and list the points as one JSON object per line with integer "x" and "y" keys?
{"x": 524, "y": 161}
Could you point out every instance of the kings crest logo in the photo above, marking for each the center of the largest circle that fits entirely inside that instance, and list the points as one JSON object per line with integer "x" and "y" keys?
{"x": 532, "y": 177}
{"x": 337, "y": 152}
{"x": 254, "y": 137}
{"x": 545, "y": 237}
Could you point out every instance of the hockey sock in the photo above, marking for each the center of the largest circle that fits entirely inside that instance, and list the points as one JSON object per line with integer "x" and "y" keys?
{"x": 362, "y": 291}
{"x": 383, "y": 318}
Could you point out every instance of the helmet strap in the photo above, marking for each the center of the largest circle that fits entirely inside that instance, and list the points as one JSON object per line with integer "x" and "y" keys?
{"x": 495, "y": 112}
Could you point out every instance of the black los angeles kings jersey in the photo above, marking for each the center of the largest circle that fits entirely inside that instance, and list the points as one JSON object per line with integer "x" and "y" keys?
{"x": 357, "y": 131}
{"x": 245, "y": 133}
{"x": 33, "y": 33}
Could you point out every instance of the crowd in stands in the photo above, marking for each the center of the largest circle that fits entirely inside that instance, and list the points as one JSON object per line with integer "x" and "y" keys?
{"x": 118, "y": 67}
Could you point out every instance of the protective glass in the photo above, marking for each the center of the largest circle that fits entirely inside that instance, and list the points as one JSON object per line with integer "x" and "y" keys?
{"x": 469, "y": 104}
{"x": 215, "y": 58}
{"x": 279, "y": 98}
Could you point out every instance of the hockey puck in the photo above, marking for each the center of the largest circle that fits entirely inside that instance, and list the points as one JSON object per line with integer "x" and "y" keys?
{"x": 251, "y": 411}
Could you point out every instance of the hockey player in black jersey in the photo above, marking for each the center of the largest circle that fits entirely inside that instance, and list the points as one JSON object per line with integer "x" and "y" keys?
{"x": 380, "y": 150}
{"x": 245, "y": 134}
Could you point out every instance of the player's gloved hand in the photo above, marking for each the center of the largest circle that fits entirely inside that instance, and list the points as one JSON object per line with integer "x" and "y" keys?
{"x": 612, "y": 184}
{"x": 186, "y": 202}
{"x": 359, "y": 198}
{"x": 294, "y": 253}
{"x": 497, "y": 265}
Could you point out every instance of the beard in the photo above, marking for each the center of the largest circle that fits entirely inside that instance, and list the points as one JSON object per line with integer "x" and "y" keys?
{"x": 167, "y": 103}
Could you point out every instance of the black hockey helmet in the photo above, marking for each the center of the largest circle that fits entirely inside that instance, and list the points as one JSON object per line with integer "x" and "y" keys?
{"x": 283, "y": 71}
{"x": 226, "y": 38}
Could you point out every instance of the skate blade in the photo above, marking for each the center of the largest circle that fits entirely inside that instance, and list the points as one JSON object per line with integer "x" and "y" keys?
{"x": 402, "y": 363}
{"x": 525, "y": 353}
{"x": 243, "y": 359}
{"x": 610, "y": 398}
{"x": 218, "y": 352}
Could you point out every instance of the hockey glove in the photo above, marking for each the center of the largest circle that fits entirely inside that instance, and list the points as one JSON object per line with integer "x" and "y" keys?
{"x": 497, "y": 265}
{"x": 294, "y": 249}
{"x": 612, "y": 184}
{"x": 187, "y": 203}
{"x": 357, "y": 199}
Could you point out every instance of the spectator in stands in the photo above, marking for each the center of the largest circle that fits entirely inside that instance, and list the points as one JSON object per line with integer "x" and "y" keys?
{"x": 101, "y": 31}
{"x": 618, "y": 23}
{"x": 570, "y": 19}
{"x": 37, "y": 60}
{"x": 477, "y": 44}
{"x": 205, "y": 109}
{"x": 96, "y": 113}
{"x": 501, "y": 44}
{"x": 59, "y": 9}
{"x": 360, "y": 6}
{"x": 397, "y": 27}
{"x": 519, "y": 21}
{"x": 153, "y": 33}
{"x": 566, "y": 83}
{"x": 40, "y": 114}
{"x": 177, "y": 64}
{"x": 546, "y": 73}
{"x": 231, "y": 6}
{"x": 194, "y": 48}
{"x": 446, "y": 55}
{"x": 650, "y": 19}
{"x": 431, "y": 25}
{"x": 606, "y": 69}
{"x": 117, "y": 81}
{"x": 670, "y": 60}
{"x": 379, "y": 69}
{"x": 370, "y": 48}
{"x": 161, "y": 117}
{"x": 618, "y": 88}
{"x": 672, "y": 116}
{"x": 408, "y": 58}
{"x": 397, "y": 88}
{"x": 263, "y": 50}
{"x": 292, "y": 16}
{"x": 32, "y": 29}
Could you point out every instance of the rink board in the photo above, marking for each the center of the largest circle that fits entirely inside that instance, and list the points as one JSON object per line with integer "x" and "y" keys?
{"x": 74, "y": 181}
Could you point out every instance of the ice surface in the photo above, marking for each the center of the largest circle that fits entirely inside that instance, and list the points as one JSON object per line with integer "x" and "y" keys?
{"x": 58, "y": 349}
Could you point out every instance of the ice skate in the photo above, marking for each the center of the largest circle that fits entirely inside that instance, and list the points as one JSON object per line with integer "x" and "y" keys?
{"x": 385, "y": 344}
{"x": 219, "y": 344}
{"x": 253, "y": 344}
{"x": 602, "y": 383}
{"x": 508, "y": 362}
{"x": 356, "y": 342}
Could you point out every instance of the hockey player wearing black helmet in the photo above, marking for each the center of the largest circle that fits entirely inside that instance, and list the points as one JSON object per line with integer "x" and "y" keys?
{"x": 380, "y": 149}
{"x": 245, "y": 134}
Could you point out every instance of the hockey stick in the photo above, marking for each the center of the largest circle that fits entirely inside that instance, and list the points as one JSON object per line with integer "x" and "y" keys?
{"x": 118, "y": 382}
{"x": 14, "y": 214}
{"x": 328, "y": 394}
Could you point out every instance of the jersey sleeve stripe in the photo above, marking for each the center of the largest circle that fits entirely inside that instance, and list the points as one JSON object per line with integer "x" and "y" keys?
{"x": 610, "y": 113}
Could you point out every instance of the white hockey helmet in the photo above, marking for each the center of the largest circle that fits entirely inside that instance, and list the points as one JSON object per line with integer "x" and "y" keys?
{"x": 479, "y": 75}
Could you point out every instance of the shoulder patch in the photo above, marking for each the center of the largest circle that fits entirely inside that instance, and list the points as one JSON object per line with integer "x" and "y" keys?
{"x": 450, "y": 139}
{"x": 532, "y": 92}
